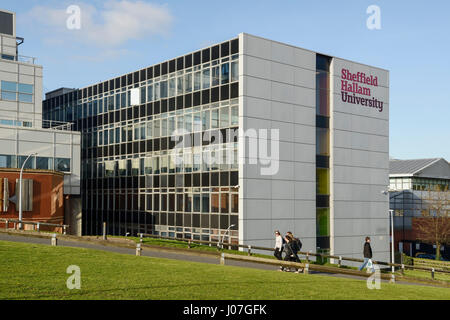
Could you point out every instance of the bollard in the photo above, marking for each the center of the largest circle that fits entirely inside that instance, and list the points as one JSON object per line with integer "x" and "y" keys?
{"x": 189, "y": 243}
{"x": 138, "y": 249}
{"x": 249, "y": 250}
{"x": 15, "y": 224}
{"x": 340, "y": 262}
{"x": 432, "y": 273}
{"x": 306, "y": 269}
{"x": 104, "y": 231}
{"x": 141, "y": 238}
{"x": 54, "y": 240}
{"x": 392, "y": 278}
{"x": 222, "y": 259}
{"x": 38, "y": 227}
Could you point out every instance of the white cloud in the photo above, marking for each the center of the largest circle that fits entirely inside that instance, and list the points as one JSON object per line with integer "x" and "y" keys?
{"x": 111, "y": 26}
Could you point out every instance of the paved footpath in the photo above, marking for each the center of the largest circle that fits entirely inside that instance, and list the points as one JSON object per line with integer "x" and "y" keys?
{"x": 155, "y": 253}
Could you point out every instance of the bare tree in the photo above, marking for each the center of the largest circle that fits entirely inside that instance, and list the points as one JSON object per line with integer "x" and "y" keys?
{"x": 434, "y": 225}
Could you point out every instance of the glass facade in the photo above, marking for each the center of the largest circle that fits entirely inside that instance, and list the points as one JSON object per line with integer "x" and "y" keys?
{"x": 323, "y": 153}
{"x": 169, "y": 165}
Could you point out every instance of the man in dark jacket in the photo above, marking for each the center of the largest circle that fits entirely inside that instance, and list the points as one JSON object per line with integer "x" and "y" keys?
{"x": 367, "y": 254}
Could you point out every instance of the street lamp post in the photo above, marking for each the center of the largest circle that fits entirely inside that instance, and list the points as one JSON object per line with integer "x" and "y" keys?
{"x": 20, "y": 189}
{"x": 221, "y": 241}
{"x": 391, "y": 214}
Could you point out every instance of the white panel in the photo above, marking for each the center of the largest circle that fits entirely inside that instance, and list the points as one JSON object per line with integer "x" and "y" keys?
{"x": 42, "y": 149}
{"x": 35, "y": 135}
{"x": 7, "y": 146}
{"x": 64, "y": 138}
{"x": 8, "y": 134}
{"x": 62, "y": 151}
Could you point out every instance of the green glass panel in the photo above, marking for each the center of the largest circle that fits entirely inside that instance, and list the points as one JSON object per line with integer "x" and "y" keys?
{"x": 323, "y": 181}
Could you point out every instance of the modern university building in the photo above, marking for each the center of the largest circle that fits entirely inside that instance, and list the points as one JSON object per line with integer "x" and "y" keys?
{"x": 307, "y": 135}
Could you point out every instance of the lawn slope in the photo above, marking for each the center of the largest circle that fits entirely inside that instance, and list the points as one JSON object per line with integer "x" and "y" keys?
{"x": 33, "y": 271}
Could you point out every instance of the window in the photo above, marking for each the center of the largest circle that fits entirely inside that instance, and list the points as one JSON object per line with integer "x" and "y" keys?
{"x": 28, "y": 165}
{"x": 234, "y": 71}
{"x": 135, "y": 167}
{"x": 225, "y": 73}
{"x": 62, "y": 164}
{"x": 206, "y": 79}
{"x": 205, "y": 120}
{"x": 180, "y": 85}
{"x": 163, "y": 89}
{"x": 172, "y": 88}
{"x": 235, "y": 115}
{"x": 215, "y": 76}
{"x": 9, "y": 91}
{"x": 8, "y": 161}
{"x": 122, "y": 168}
{"x": 157, "y": 91}
{"x": 143, "y": 96}
{"x": 43, "y": 163}
{"x": 150, "y": 93}
{"x": 188, "y": 82}
{"x": 224, "y": 117}
{"x": 214, "y": 118}
{"x": 197, "y": 80}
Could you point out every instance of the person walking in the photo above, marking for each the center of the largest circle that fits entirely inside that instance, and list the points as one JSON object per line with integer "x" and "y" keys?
{"x": 296, "y": 246}
{"x": 289, "y": 251}
{"x": 367, "y": 254}
{"x": 279, "y": 243}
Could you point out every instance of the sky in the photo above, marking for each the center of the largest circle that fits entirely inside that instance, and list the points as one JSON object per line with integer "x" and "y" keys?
{"x": 121, "y": 36}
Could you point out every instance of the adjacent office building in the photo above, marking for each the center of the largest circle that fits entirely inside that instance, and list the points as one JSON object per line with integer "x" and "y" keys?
{"x": 414, "y": 190}
{"x": 24, "y": 132}
{"x": 307, "y": 135}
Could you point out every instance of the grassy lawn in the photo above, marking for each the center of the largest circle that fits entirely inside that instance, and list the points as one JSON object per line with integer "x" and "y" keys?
{"x": 39, "y": 272}
{"x": 184, "y": 245}
{"x": 426, "y": 275}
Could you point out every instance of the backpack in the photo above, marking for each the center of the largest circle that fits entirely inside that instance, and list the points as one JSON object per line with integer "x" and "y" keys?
{"x": 298, "y": 245}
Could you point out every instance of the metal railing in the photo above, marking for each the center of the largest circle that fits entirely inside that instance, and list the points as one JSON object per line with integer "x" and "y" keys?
{"x": 57, "y": 125}
{"x": 37, "y": 225}
{"x": 307, "y": 254}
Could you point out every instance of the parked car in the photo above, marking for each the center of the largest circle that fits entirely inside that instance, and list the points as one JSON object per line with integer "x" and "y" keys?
{"x": 429, "y": 256}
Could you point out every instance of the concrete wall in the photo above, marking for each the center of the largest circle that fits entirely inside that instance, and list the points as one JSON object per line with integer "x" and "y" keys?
{"x": 359, "y": 167}
{"x": 277, "y": 91}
